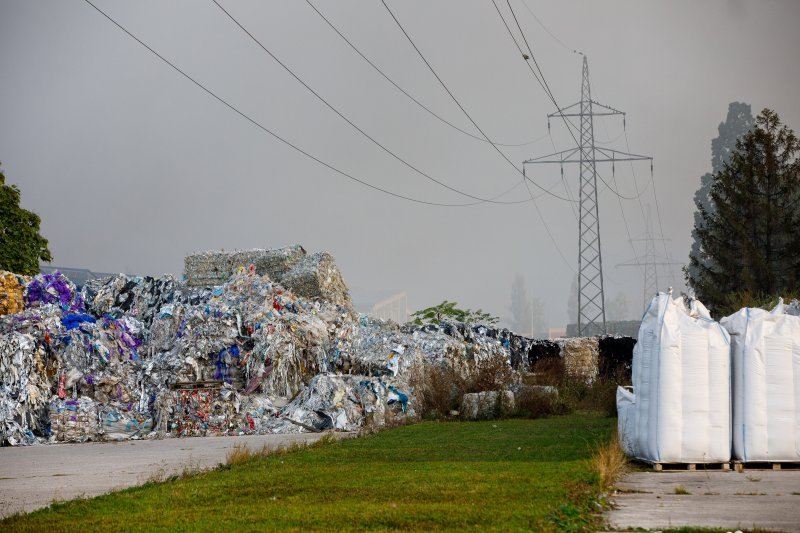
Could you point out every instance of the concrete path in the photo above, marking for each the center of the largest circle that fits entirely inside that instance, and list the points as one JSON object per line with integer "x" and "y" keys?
{"x": 32, "y": 477}
{"x": 756, "y": 498}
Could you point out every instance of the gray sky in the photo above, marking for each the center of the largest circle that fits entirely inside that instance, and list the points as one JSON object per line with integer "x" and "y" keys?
{"x": 131, "y": 166}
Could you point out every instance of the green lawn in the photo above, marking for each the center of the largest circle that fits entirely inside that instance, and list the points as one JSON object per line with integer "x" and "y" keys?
{"x": 510, "y": 474}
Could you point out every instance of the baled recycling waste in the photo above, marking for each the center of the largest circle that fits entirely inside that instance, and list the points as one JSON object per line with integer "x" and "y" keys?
{"x": 229, "y": 351}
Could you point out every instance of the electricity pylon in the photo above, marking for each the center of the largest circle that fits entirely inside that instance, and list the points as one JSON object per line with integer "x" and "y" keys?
{"x": 649, "y": 261}
{"x": 591, "y": 298}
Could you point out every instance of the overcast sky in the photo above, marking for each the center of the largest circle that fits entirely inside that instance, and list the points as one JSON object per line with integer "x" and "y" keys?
{"x": 131, "y": 166}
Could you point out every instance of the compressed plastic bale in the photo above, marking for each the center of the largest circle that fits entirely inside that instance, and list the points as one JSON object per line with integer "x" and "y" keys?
{"x": 540, "y": 350}
{"x": 204, "y": 412}
{"x": 24, "y": 388}
{"x": 766, "y": 383}
{"x": 580, "y": 357}
{"x": 344, "y": 403}
{"x": 216, "y": 267}
{"x": 55, "y": 289}
{"x": 135, "y": 296}
{"x": 615, "y": 357}
{"x": 316, "y": 276}
{"x": 73, "y": 420}
{"x": 257, "y": 411}
{"x": 118, "y": 423}
{"x": 681, "y": 381}
{"x": 486, "y": 405}
{"x": 12, "y": 288}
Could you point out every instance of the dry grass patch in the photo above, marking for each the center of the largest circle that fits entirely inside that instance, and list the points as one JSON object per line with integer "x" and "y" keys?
{"x": 609, "y": 462}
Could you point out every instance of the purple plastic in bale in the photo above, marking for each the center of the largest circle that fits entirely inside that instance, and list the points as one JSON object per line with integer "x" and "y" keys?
{"x": 53, "y": 288}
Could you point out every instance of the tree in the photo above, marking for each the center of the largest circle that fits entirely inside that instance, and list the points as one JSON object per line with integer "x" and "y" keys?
{"x": 748, "y": 240}
{"x": 527, "y": 312}
{"x": 521, "y": 311}
{"x": 572, "y": 302}
{"x": 21, "y": 245}
{"x": 617, "y": 307}
{"x": 738, "y": 122}
{"x": 448, "y": 310}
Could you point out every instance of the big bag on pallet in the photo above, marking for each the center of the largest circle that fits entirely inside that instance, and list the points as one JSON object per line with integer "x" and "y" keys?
{"x": 766, "y": 383}
{"x": 679, "y": 410}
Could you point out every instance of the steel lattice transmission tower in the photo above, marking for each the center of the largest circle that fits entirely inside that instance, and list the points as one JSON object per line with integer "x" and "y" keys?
{"x": 591, "y": 297}
{"x": 649, "y": 262}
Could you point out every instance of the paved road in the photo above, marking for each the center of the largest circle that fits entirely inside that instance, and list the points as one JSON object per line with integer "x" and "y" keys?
{"x": 32, "y": 477}
{"x": 755, "y": 498}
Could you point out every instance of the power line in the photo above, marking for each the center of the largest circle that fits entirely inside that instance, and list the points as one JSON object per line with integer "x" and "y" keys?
{"x": 452, "y": 96}
{"x": 359, "y": 129}
{"x": 526, "y": 179}
{"x": 552, "y": 97}
{"x": 559, "y": 41}
{"x": 658, "y": 211}
{"x": 267, "y": 130}
{"x": 410, "y": 96}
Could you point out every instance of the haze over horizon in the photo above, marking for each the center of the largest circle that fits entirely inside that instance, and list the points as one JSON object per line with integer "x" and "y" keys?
{"x": 131, "y": 166}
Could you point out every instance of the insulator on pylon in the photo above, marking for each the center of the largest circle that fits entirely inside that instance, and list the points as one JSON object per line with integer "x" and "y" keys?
{"x": 562, "y": 170}
{"x": 548, "y": 125}
{"x": 623, "y": 123}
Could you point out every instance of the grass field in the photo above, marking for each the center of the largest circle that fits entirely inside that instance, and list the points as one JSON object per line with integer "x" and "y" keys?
{"x": 510, "y": 474}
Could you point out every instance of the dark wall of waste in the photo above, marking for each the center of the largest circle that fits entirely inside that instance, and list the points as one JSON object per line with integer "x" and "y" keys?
{"x": 616, "y": 358}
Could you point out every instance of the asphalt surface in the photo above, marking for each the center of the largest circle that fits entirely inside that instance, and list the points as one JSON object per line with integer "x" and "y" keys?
{"x": 35, "y": 476}
{"x": 753, "y": 499}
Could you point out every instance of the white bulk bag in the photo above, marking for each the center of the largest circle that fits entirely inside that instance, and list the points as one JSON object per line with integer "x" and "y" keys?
{"x": 766, "y": 384}
{"x": 680, "y": 409}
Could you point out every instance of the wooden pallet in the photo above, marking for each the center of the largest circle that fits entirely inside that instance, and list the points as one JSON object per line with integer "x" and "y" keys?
{"x": 691, "y": 467}
{"x": 741, "y": 466}
{"x": 194, "y": 385}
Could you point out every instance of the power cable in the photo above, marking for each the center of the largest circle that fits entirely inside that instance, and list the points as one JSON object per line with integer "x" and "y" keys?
{"x": 452, "y": 96}
{"x": 526, "y": 179}
{"x": 658, "y": 210}
{"x": 267, "y": 130}
{"x": 559, "y": 41}
{"x": 359, "y": 129}
{"x": 546, "y": 87}
{"x": 406, "y": 93}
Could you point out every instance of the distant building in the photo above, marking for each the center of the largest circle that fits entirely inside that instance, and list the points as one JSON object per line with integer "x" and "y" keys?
{"x": 394, "y": 308}
{"x": 556, "y": 333}
{"x": 625, "y": 328}
{"x": 78, "y": 276}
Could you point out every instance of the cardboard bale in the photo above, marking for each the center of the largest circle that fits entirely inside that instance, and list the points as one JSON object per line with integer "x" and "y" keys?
{"x": 12, "y": 288}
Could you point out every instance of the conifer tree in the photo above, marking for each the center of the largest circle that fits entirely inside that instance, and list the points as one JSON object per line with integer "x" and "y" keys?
{"x": 738, "y": 122}
{"x": 749, "y": 234}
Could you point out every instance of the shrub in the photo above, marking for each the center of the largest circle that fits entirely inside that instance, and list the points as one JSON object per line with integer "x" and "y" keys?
{"x": 489, "y": 375}
{"x": 440, "y": 390}
{"x": 537, "y": 402}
